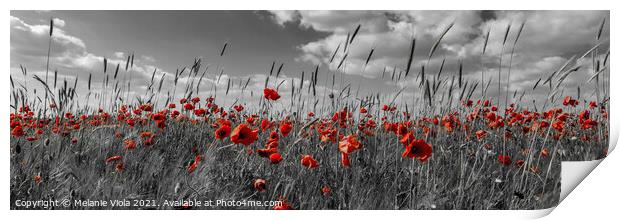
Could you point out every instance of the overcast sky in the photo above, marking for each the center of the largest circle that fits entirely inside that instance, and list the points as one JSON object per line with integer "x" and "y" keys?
{"x": 170, "y": 40}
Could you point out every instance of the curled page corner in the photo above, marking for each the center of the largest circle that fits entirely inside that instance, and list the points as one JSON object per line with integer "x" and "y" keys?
{"x": 573, "y": 172}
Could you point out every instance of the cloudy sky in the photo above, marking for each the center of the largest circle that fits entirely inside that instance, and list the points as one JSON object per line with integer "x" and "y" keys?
{"x": 300, "y": 40}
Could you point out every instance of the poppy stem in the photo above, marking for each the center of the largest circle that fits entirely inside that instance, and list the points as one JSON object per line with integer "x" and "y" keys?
{"x": 411, "y": 192}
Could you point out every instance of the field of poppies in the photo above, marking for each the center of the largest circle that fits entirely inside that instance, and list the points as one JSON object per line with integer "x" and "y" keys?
{"x": 448, "y": 150}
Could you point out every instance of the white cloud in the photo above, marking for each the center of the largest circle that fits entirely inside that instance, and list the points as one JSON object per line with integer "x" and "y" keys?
{"x": 547, "y": 40}
{"x": 59, "y": 22}
{"x": 281, "y": 17}
{"x": 69, "y": 56}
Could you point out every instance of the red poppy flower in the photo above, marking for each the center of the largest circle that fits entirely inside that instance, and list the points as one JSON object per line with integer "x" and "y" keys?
{"x": 282, "y": 205}
{"x": 570, "y": 101}
{"x": 558, "y": 125}
{"x": 196, "y": 100}
{"x": 588, "y": 123}
{"x": 113, "y": 158}
{"x": 32, "y": 138}
{"x": 119, "y": 166}
{"x": 326, "y": 190}
{"x": 349, "y": 144}
{"x": 222, "y": 132}
{"x": 286, "y": 128}
{"x": 266, "y": 152}
{"x": 160, "y": 124}
{"x": 37, "y": 179}
{"x": 200, "y": 112}
{"x": 148, "y": 142}
{"x": 260, "y": 185}
{"x": 504, "y": 160}
{"x": 172, "y": 105}
{"x": 275, "y": 158}
{"x": 265, "y": 124}
{"x": 271, "y": 94}
{"x": 401, "y": 129}
{"x": 418, "y": 149}
{"x": 146, "y": 134}
{"x": 130, "y": 144}
{"x": 250, "y": 119}
{"x": 158, "y": 116}
{"x": 188, "y": 106}
{"x": 308, "y": 161}
{"x": 272, "y": 143}
{"x": 408, "y": 138}
{"x": 584, "y": 115}
{"x": 192, "y": 166}
{"x": 144, "y": 107}
{"x": 481, "y": 134}
{"x": 520, "y": 163}
{"x": 17, "y": 131}
{"x": 243, "y": 134}
{"x": 593, "y": 105}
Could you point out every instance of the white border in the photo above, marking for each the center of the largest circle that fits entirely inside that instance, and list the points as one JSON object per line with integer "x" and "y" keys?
{"x": 591, "y": 200}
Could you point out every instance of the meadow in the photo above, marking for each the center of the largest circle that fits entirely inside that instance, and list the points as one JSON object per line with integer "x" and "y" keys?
{"x": 453, "y": 148}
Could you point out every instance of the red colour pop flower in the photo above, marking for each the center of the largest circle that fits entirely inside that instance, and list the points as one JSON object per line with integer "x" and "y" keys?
{"x": 266, "y": 152}
{"x": 418, "y": 149}
{"x": 259, "y": 185}
{"x": 194, "y": 164}
{"x": 326, "y": 190}
{"x": 308, "y": 161}
{"x": 520, "y": 163}
{"x": 200, "y": 112}
{"x": 408, "y": 138}
{"x": 286, "y": 128}
{"x": 265, "y": 124}
{"x": 282, "y": 205}
{"x": 349, "y": 144}
{"x": 481, "y": 134}
{"x": 37, "y": 179}
{"x": 130, "y": 144}
{"x": 188, "y": 106}
{"x": 570, "y": 101}
{"x": 271, "y": 94}
{"x": 592, "y": 105}
{"x": 113, "y": 158}
{"x": 17, "y": 131}
{"x": 504, "y": 160}
{"x": 275, "y": 158}
{"x": 196, "y": 100}
{"x": 119, "y": 166}
{"x": 222, "y": 132}
{"x": 243, "y": 134}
